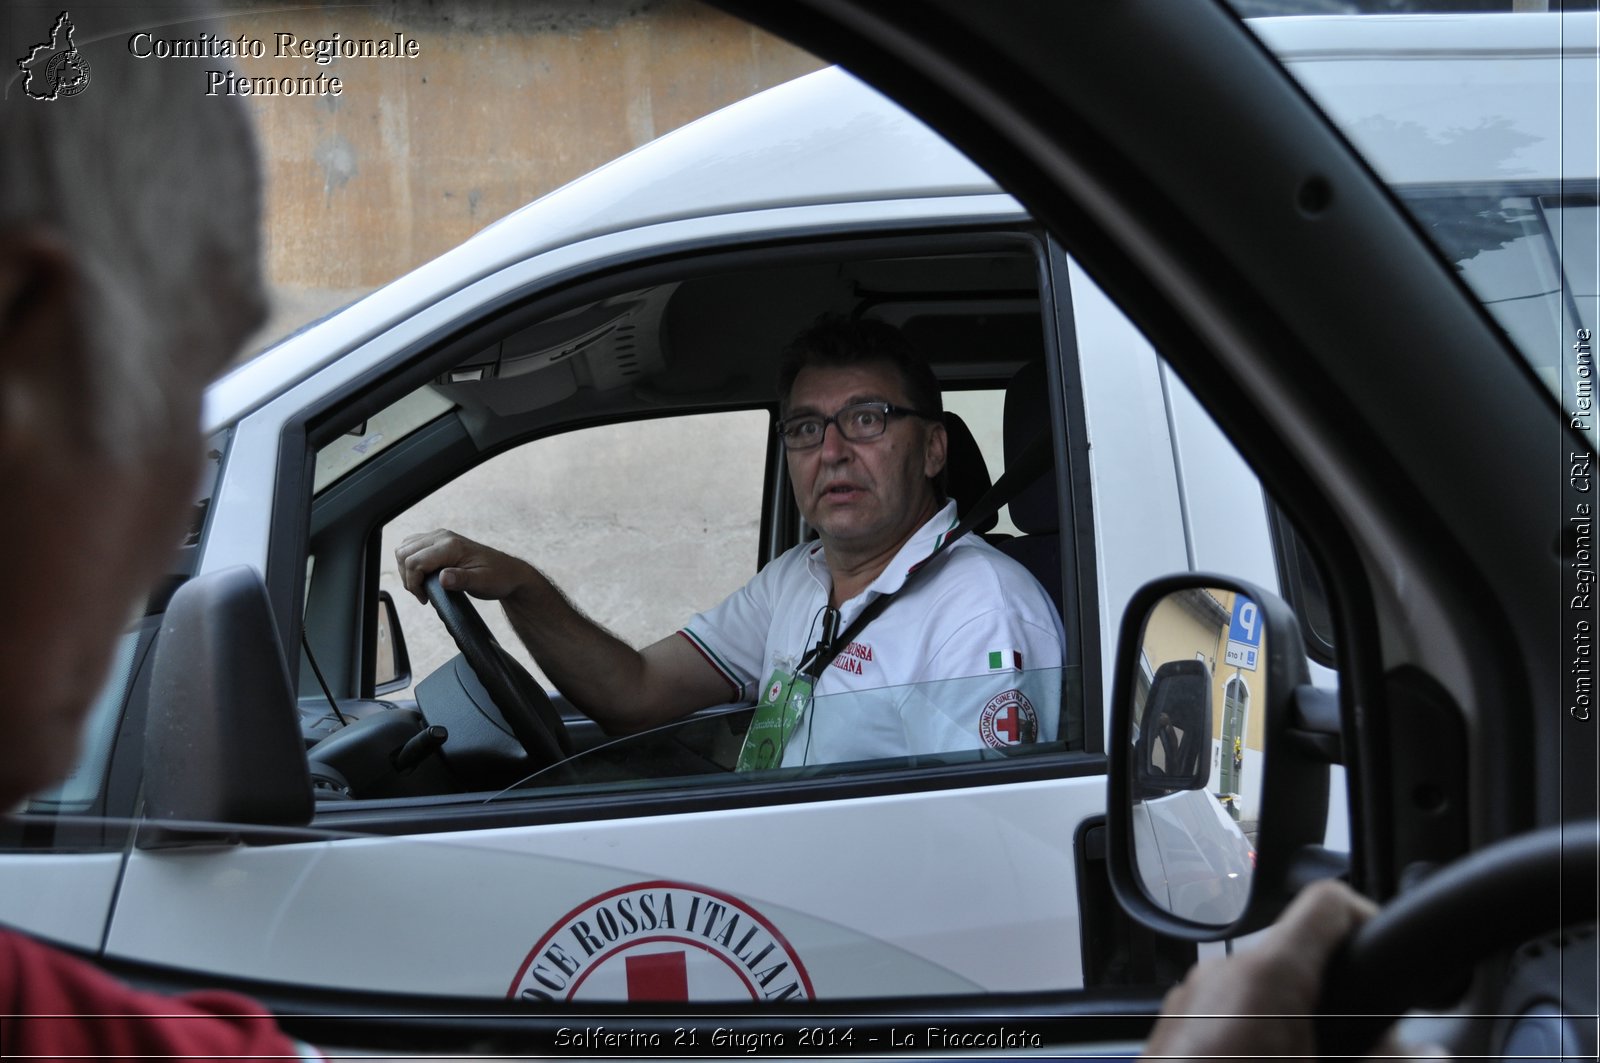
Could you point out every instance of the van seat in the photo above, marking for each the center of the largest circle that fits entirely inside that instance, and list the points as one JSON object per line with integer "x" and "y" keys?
{"x": 1034, "y": 510}
{"x": 966, "y": 474}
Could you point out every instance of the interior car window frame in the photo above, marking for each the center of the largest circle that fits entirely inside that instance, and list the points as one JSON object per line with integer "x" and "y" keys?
{"x": 937, "y": 68}
{"x": 1236, "y": 412}
{"x": 964, "y": 120}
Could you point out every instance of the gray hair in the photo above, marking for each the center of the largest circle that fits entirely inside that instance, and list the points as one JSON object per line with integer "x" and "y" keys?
{"x": 154, "y": 188}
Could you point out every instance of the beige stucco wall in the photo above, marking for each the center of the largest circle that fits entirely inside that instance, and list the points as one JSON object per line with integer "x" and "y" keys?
{"x": 504, "y": 102}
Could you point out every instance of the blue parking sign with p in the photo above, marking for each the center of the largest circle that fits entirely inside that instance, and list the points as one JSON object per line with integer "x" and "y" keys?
{"x": 1244, "y": 634}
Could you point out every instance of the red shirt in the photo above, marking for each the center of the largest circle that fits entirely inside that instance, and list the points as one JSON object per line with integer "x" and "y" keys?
{"x": 55, "y": 1006}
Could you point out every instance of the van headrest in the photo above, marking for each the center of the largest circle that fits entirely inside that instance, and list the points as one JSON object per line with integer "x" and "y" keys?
{"x": 966, "y": 475}
{"x": 1027, "y": 416}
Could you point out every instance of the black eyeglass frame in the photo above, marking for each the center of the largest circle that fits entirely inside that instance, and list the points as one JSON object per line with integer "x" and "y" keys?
{"x": 887, "y": 409}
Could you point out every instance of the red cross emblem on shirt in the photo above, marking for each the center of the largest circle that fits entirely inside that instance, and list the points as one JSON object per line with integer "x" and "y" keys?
{"x": 1009, "y": 724}
{"x": 1008, "y": 720}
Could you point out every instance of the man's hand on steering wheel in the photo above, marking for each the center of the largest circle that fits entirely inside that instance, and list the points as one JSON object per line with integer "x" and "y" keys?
{"x": 468, "y": 568}
{"x": 621, "y": 688}
{"x": 463, "y": 565}
{"x": 1258, "y": 1001}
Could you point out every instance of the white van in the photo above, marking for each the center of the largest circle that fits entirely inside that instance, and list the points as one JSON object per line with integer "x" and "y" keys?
{"x": 616, "y": 340}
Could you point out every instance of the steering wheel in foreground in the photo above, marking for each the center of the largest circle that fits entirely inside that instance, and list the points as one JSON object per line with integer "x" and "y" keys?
{"x": 522, "y": 702}
{"x": 1490, "y": 901}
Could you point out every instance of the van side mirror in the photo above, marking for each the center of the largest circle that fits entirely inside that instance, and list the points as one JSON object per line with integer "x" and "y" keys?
{"x": 222, "y": 738}
{"x": 391, "y": 664}
{"x": 1218, "y": 764}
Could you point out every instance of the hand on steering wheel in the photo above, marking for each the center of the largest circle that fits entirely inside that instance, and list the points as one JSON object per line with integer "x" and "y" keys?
{"x": 1357, "y": 968}
{"x": 1430, "y": 936}
{"x": 522, "y": 702}
{"x": 1242, "y": 1004}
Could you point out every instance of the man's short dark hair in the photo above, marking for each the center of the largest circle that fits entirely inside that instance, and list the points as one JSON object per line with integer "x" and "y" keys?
{"x": 835, "y": 342}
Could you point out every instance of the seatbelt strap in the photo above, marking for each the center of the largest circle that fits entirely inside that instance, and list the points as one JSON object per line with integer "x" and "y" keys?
{"x": 1018, "y": 476}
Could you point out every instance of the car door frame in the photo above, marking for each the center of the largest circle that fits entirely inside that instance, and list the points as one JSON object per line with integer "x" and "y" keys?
{"x": 1300, "y": 348}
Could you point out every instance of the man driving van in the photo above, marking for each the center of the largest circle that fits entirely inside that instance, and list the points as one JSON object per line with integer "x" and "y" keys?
{"x": 942, "y": 667}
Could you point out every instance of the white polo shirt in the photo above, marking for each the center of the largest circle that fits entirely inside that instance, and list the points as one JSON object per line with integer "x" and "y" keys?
{"x": 967, "y": 656}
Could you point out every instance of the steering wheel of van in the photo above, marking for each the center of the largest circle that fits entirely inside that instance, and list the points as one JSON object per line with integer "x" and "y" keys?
{"x": 1424, "y": 939}
{"x": 521, "y": 701}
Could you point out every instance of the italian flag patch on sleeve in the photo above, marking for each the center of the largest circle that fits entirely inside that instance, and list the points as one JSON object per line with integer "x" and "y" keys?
{"x": 1002, "y": 660}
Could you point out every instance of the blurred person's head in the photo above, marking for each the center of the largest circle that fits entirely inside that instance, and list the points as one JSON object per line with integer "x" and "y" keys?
{"x": 129, "y": 274}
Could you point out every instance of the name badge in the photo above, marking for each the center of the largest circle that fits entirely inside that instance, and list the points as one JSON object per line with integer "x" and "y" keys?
{"x": 784, "y": 701}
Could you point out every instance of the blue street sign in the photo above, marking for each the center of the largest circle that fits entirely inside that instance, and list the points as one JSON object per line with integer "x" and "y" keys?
{"x": 1244, "y": 634}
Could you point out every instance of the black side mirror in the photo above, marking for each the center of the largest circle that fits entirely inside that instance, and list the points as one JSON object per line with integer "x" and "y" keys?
{"x": 1219, "y": 757}
{"x": 222, "y": 737}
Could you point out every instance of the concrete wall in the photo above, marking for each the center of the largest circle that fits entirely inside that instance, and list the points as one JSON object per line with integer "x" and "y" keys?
{"x": 505, "y": 102}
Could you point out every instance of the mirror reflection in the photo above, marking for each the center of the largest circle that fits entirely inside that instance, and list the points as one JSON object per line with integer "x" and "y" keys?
{"x": 1196, "y": 752}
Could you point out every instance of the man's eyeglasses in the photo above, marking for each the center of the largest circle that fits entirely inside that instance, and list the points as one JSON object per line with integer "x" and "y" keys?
{"x": 857, "y": 423}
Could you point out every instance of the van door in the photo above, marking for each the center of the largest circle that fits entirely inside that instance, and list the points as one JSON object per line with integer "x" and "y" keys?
{"x": 626, "y": 874}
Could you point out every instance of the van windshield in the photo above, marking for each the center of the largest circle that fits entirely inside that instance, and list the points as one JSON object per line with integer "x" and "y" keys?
{"x": 1484, "y": 126}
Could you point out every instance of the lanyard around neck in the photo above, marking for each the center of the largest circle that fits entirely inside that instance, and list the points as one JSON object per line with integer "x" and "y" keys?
{"x": 1023, "y": 472}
